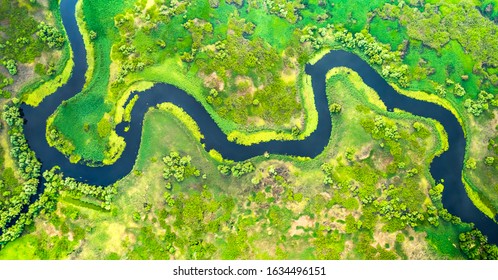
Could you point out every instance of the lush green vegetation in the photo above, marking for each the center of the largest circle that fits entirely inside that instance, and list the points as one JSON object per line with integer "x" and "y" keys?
{"x": 175, "y": 205}
{"x": 16, "y": 195}
{"x": 369, "y": 195}
{"x": 30, "y": 38}
{"x": 33, "y": 51}
{"x": 17, "y": 42}
{"x": 76, "y": 131}
{"x": 455, "y": 62}
{"x": 475, "y": 246}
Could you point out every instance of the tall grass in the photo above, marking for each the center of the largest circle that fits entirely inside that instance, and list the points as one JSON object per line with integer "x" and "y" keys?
{"x": 388, "y": 32}
{"x": 88, "y": 107}
{"x": 443, "y": 239}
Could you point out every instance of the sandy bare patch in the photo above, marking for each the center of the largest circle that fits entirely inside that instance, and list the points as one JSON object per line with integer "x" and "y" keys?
{"x": 339, "y": 213}
{"x": 25, "y": 74}
{"x": 382, "y": 238}
{"x": 364, "y": 152}
{"x": 289, "y": 75}
{"x": 326, "y": 195}
{"x": 117, "y": 233}
{"x": 256, "y": 121}
{"x": 303, "y": 221}
{"x": 213, "y": 81}
{"x": 425, "y": 186}
{"x": 417, "y": 248}
{"x": 298, "y": 121}
{"x": 149, "y": 4}
{"x": 380, "y": 160}
{"x": 297, "y": 207}
{"x": 51, "y": 230}
{"x": 348, "y": 248}
{"x": 245, "y": 85}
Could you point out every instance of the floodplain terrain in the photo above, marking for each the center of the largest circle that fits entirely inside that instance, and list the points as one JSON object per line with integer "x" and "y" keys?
{"x": 369, "y": 194}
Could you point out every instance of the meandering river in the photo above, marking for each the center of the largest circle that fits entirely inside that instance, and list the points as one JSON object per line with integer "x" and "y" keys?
{"x": 447, "y": 167}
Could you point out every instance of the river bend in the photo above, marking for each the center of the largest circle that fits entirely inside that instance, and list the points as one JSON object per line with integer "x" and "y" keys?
{"x": 447, "y": 167}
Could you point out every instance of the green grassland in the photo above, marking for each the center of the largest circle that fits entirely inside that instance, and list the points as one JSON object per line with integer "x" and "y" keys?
{"x": 280, "y": 206}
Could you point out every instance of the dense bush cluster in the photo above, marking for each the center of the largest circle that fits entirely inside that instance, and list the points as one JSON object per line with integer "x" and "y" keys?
{"x": 4, "y": 82}
{"x": 475, "y": 246}
{"x": 45, "y": 202}
{"x": 381, "y": 129}
{"x": 50, "y": 35}
{"x": 395, "y": 208}
{"x": 477, "y": 107}
{"x": 285, "y": 9}
{"x": 11, "y": 66}
{"x": 179, "y": 167}
{"x": 29, "y": 169}
{"x": 236, "y": 170}
{"x": 55, "y": 183}
{"x": 16, "y": 32}
{"x": 377, "y": 53}
{"x": 29, "y": 166}
{"x": 55, "y": 139}
{"x": 261, "y": 93}
{"x": 80, "y": 189}
{"x": 198, "y": 29}
{"x": 461, "y": 22}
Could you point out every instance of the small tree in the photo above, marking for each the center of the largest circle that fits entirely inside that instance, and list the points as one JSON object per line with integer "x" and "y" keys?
{"x": 93, "y": 35}
{"x": 489, "y": 161}
{"x": 11, "y": 66}
{"x": 335, "y": 108}
{"x": 459, "y": 90}
{"x": 471, "y": 164}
